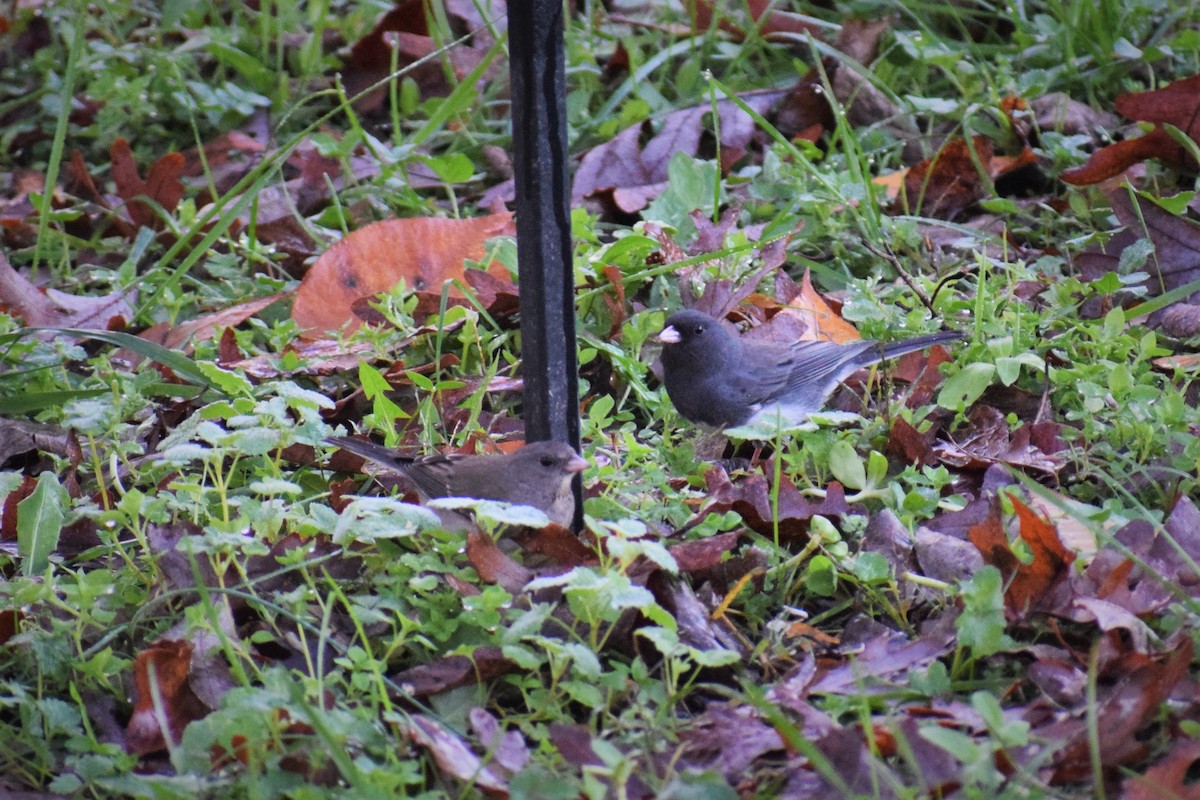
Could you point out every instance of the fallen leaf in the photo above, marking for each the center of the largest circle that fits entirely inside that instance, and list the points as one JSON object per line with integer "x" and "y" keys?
{"x": 450, "y": 672}
{"x": 987, "y": 441}
{"x": 401, "y": 38}
{"x": 1170, "y": 778}
{"x": 1028, "y": 585}
{"x": 1174, "y": 104}
{"x": 161, "y": 692}
{"x": 202, "y": 328}
{"x": 507, "y": 748}
{"x": 59, "y": 309}
{"x": 423, "y": 252}
{"x": 452, "y": 755}
{"x": 159, "y": 193}
{"x": 768, "y": 17}
{"x": 635, "y": 173}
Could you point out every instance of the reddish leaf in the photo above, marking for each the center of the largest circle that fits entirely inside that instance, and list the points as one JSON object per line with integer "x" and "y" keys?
{"x": 1029, "y": 585}
{"x": 1111, "y": 161}
{"x": 1176, "y": 104}
{"x": 162, "y": 187}
{"x": 1126, "y": 708}
{"x": 751, "y": 498}
{"x": 1169, "y": 779}
{"x": 987, "y": 441}
{"x": 701, "y": 13}
{"x": 201, "y": 328}
{"x": 909, "y": 444}
{"x": 947, "y": 184}
{"x": 555, "y": 543}
{"x": 1176, "y": 239}
{"x": 493, "y": 565}
{"x": 497, "y": 294}
{"x": 404, "y": 29}
{"x": 161, "y": 691}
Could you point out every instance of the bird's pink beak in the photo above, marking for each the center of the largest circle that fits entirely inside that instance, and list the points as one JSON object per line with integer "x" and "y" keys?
{"x": 669, "y": 335}
{"x": 576, "y": 464}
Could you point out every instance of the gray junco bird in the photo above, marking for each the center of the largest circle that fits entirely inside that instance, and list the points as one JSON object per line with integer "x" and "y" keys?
{"x": 717, "y": 378}
{"x": 538, "y": 474}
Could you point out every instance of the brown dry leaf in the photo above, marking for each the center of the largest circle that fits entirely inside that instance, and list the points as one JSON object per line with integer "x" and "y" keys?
{"x": 949, "y": 183}
{"x": 633, "y": 174}
{"x": 453, "y": 757}
{"x": 884, "y": 656}
{"x": 1127, "y": 707}
{"x": 1111, "y": 161}
{"x": 751, "y": 497}
{"x": 161, "y": 671}
{"x": 59, "y": 309}
{"x": 201, "y": 328}
{"x": 554, "y": 543}
{"x": 10, "y": 621}
{"x": 1169, "y": 778}
{"x": 450, "y": 672}
{"x": 162, "y": 187}
{"x": 987, "y": 441}
{"x": 1176, "y": 104}
{"x": 1176, "y": 239}
{"x": 318, "y": 357}
{"x": 1029, "y": 585}
{"x": 404, "y": 28}
{"x": 806, "y": 112}
{"x": 498, "y": 294}
{"x": 1058, "y": 112}
{"x": 424, "y": 252}
{"x": 494, "y": 566}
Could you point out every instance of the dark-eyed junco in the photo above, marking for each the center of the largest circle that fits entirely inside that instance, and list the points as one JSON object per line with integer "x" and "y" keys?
{"x": 538, "y": 474}
{"x": 717, "y": 378}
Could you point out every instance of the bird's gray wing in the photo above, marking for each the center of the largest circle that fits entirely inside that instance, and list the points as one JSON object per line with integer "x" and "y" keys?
{"x": 825, "y": 364}
{"x": 433, "y": 475}
{"x": 429, "y": 474}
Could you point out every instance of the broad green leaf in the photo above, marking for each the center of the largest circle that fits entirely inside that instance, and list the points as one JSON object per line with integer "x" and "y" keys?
{"x": 820, "y": 576}
{"x": 846, "y": 466}
{"x": 229, "y": 382}
{"x": 39, "y": 401}
{"x": 39, "y": 523}
{"x": 965, "y": 386}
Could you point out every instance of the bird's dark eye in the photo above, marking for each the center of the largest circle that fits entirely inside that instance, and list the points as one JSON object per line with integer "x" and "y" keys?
{"x": 699, "y": 329}
{"x": 547, "y": 461}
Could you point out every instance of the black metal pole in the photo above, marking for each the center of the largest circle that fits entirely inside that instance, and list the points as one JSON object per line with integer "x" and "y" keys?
{"x": 537, "y": 63}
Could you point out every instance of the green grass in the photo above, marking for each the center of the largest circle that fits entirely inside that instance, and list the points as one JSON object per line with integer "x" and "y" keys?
{"x": 309, "y": 621}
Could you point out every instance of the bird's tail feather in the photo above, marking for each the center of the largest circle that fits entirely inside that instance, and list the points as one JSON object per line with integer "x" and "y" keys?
{"x": 893, "y": 349}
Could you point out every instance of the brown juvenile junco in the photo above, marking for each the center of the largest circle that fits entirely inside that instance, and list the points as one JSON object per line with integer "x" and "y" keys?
{"x": 538, "y": 474}
{"x": 715, "y": 377}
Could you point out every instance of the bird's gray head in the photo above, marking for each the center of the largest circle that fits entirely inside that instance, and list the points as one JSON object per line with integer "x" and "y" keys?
{"x": 694, "y": 332}
{"x": 554, "y": 458}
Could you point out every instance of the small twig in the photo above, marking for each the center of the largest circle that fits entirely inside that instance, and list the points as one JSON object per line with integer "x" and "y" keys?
{"x": 890, "y": 257}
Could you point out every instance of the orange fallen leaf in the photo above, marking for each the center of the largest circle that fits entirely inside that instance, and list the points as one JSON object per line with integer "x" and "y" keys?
{"x": 821, "y": 323}
{"x": 424, "y": 252}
